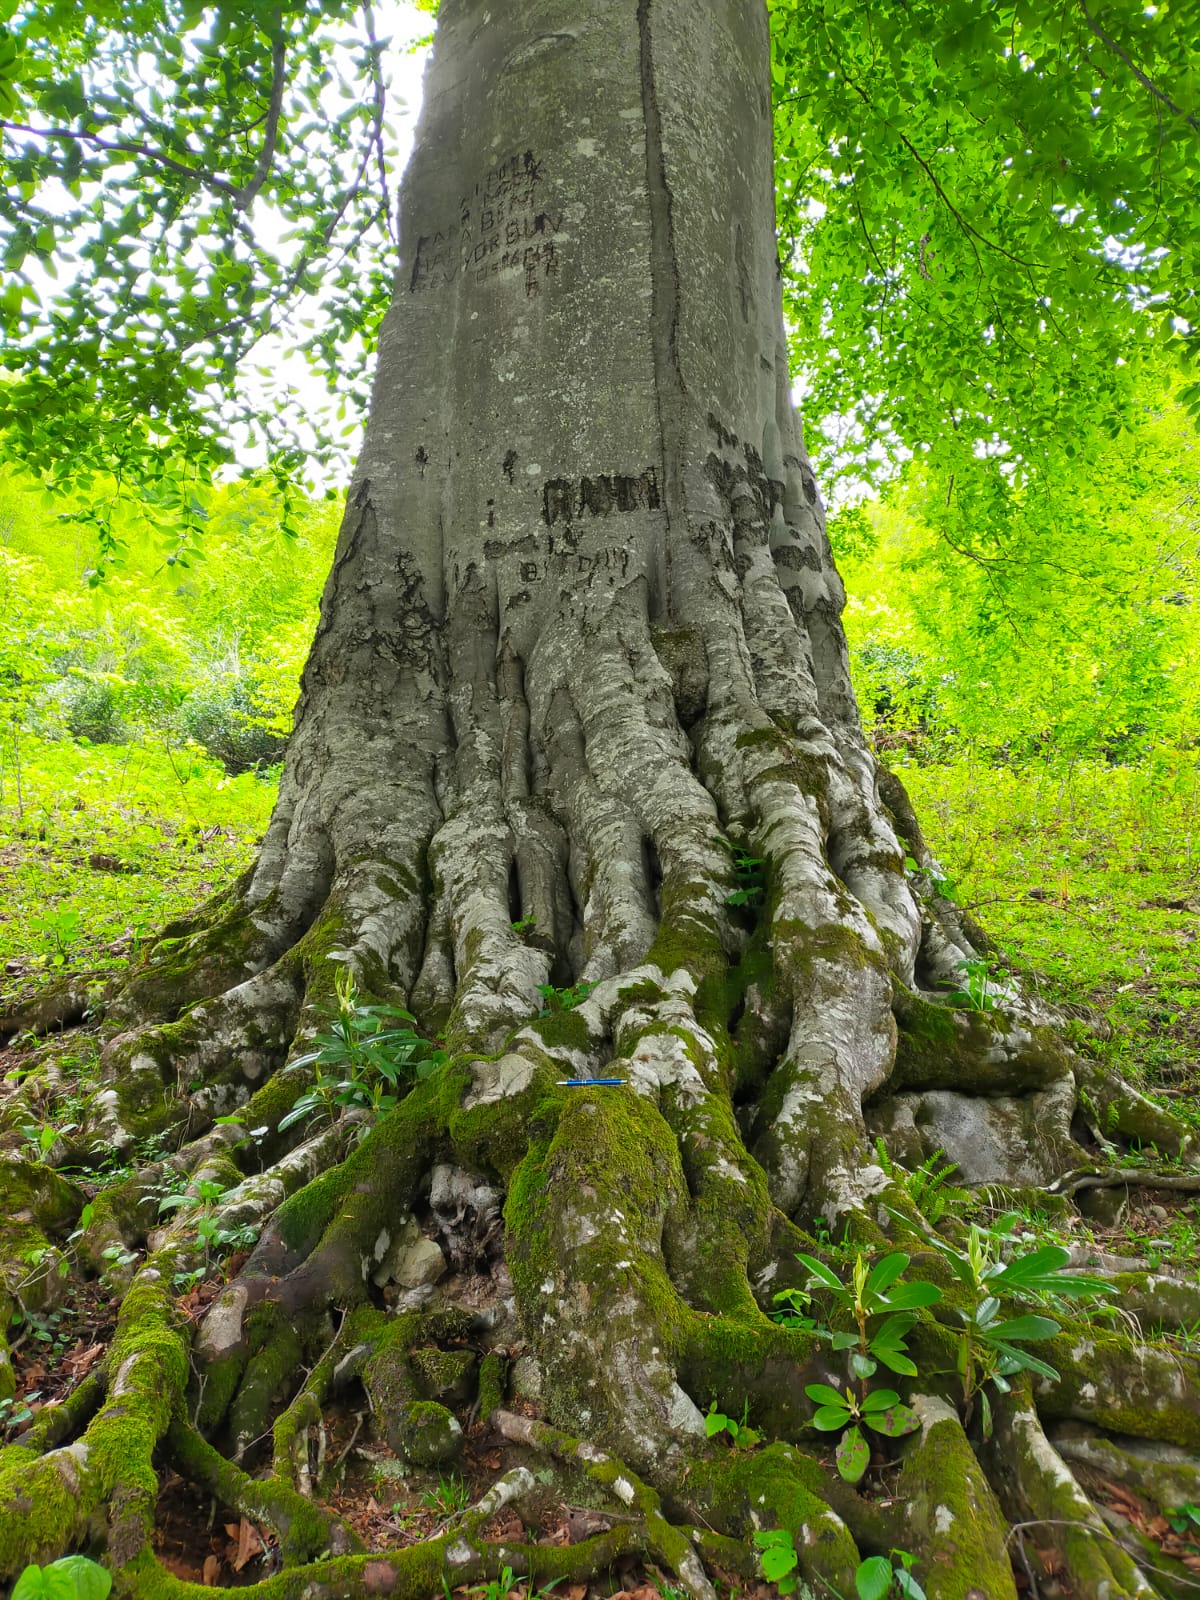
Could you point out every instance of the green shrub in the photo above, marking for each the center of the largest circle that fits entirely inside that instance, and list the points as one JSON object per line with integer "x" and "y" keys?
{"x": 91, "y": 707}
{"x": 223, "y": 715}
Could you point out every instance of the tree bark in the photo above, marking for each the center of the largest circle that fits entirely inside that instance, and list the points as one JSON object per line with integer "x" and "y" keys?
{"x": 578, "y": 775}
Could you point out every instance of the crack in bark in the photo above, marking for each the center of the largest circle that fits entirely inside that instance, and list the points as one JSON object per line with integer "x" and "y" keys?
{"x": 670, "y": 388}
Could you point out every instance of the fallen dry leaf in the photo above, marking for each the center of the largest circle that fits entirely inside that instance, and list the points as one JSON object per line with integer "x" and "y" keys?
{"x": 505, "y": 1528}
{"x": 249, "y": 1545}
{"x": 211, "y": 1571}
{"x": 80, "y": 1360}
{"x": 1051, "y": 1560}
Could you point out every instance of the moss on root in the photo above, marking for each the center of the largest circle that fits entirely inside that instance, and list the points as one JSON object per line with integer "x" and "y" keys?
{"x": 778, "y": 1487}
{"x": 55, "y": 1502}
{"x": 414, "y": 1573}
{"x": 1145, "y": 1391}
{"x": 950, "y": 1505}
{"x": 945, "y": 1047}
{"x": 493, "y": 1383}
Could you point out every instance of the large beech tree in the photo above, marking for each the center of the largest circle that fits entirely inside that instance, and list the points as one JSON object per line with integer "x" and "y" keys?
{"x": 578, "y": 777}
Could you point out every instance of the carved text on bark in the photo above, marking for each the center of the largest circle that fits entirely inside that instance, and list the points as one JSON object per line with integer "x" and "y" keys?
{"x": 499, "y": 231}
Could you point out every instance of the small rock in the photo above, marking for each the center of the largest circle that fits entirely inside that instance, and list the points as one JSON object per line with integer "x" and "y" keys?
{"x": 526, "y": 1378}
{"x": 411, "y": 1260}
{"x": 1159, "y": 1213}
{"x": 423, "y": 1264}
{"x": 424, "y": 1433}
{"x": 1105, "y": 1206}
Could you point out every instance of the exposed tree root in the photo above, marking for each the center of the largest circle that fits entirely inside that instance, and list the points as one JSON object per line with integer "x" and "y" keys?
{"x": 628, "y": 1240}
{"x": 669, "y": 1545}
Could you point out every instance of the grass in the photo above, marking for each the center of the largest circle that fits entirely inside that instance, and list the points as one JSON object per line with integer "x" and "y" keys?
{"x": 1088, "y": 880}
{"x": 101, "y": 844}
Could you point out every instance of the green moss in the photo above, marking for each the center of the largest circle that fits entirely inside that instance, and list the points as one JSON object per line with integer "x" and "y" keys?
{"x": 801, "y": 950}
{"x": 268, "y": 1105}
{"x": 735, "y": 1359}
{"x": 643, "y": 990}
{"x": 585, "y": 1172}
{"x": 349, "y": 1205}
{"x": 303, "y": 1216}
{"x": 413, "y": 1573}
{"x": 266, "y": 1375}
{"x": 768, "y": 738}
{"x": 445, "y": 1375}
{"x": 42, "y": 1513}
{"x": 1140, "y": 1390}
{"x": 493, "y": 1383}
{"x": 423, "y": 1432}
{"x": 949, "y": 1502}
{"x": 688, "y": 933}
{"x": 39, "y": 1191}
{"x": 564, "y": 1029}
{"x": 940, "y": 1047}
{"x": 495, "y": 1137}
{"x": 36, "y": 1505}
{"x": 304, "y": 1529}
{"x": 778, "y": 1487}
{"x": 196, "y": 957}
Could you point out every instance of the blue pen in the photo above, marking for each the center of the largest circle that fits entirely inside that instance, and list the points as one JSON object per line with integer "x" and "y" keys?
{"x": 586, "y": 1083}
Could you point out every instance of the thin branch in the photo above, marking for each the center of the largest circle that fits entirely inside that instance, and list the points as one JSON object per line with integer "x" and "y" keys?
{"x": 378, "y": 110}
{"x": 1145, "y": 81}
{"x": 1131, "y": 1178}
{"x": 266, "y": 155}
{"x": 122, "y": 148}
{"x": 972, "y": 233}
{"x": 1138, "y": 1559}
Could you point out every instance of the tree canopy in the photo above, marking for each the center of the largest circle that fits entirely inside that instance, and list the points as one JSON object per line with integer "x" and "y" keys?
{"x": 988, "y": 218}
{"x": 985, "y": 219}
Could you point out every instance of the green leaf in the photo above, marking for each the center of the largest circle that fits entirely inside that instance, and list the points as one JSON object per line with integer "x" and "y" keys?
{"x": 1018, "y": 1360}
{"x": 71, "y": 1578}
{"x": 894, "y": 1361}
{"x": 893, "y": 1422}
{"x": 880, "y": 1400}
{"x": 884, "y": 1273}
{"x": 908, "y": 1586}
{"x": 863, "y": 1367}
{"x": 910, "y": 1296}
{"x": 821, "y": 1273}
{"x": 1021, "y": 1329}
{"x": 853, "y": 1455}
{"x": 873, "y": 1578}
{"x": 777, "y": 1561}
{"x": 824, "y": 1394}
{"x": 829, "y": 1419}
{"x": 986, "y": 1311}
{"x": 766, "y": 1538}
{"x": 306, "y": 1104}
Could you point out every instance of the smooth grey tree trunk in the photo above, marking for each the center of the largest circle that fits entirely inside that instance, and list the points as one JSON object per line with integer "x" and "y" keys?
{"x": 578, "y": 775}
